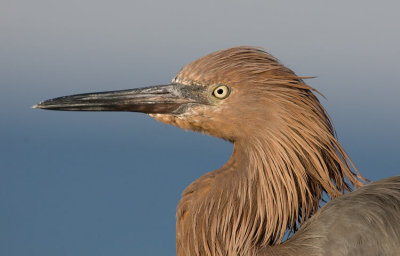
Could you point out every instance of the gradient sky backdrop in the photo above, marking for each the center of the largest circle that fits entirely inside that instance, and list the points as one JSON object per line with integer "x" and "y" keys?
{"x": 108, "y": 183}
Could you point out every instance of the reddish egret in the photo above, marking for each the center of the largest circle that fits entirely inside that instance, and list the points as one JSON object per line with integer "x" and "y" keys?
{"x": 285, "y": 157}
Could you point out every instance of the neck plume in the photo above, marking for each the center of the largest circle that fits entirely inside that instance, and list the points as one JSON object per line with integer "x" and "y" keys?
{"x": 273, "y": 182}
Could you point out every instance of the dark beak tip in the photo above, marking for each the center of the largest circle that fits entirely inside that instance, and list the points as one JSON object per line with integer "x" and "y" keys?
{"x": 40, "y": 105}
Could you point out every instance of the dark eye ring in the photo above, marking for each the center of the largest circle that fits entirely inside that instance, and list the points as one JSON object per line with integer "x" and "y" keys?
{"x": 221, "y": 92}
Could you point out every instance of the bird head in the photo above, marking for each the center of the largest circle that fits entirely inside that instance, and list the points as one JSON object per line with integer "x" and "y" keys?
{"x": 231, "y": 94}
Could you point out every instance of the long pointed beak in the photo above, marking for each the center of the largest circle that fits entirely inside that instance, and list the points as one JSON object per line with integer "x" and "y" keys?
{"x": 156, "y": 99}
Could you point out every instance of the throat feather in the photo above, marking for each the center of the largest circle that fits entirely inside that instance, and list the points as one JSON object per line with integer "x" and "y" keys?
{"x": 268, "y": 186}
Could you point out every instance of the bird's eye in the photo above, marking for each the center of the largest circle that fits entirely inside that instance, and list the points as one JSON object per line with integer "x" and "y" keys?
{"x": 221, "y": 92}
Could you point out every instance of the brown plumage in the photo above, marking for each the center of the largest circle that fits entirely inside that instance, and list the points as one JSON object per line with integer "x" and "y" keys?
{"x": 285, "y": 155}
{"x": 285, "y": 152}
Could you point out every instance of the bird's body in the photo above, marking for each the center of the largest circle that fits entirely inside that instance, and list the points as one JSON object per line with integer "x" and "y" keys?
{"x": 365, "y": 222}
{"x": 285, "y": 157}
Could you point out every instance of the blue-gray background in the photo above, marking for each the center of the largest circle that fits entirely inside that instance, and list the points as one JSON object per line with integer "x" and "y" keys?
{"x": 108, "y": 183}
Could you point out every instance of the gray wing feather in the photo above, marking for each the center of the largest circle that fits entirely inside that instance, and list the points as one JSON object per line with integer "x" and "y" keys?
{"x": 364, "y": 222}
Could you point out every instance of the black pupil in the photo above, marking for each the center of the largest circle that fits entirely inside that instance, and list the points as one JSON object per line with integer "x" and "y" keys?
{"x": 220, "y": 91}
